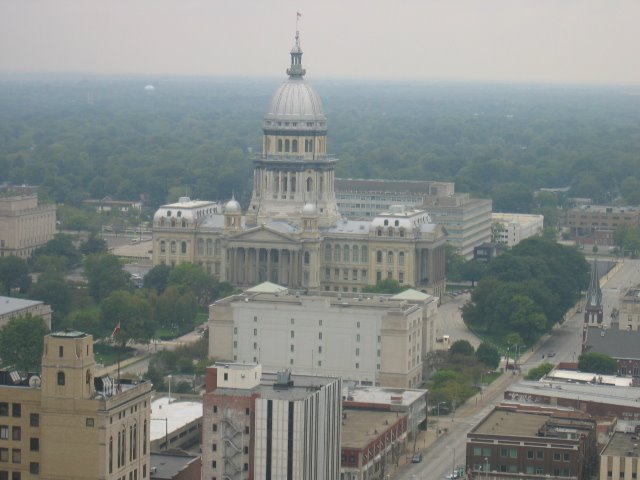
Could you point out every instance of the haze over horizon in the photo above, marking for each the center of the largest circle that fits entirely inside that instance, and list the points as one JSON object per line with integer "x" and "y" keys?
{"x": 548, "y": 41}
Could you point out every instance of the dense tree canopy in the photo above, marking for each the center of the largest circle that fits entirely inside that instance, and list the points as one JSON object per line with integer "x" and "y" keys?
{"x": 594, "y": 362}
{"x": 105, "y": 275}
{"x": 528, "y": 288}
{"x": 199, "y": 135}
{"x": 14, "y": 273}
{"x": 488, "y": 354}
{"x": 21, "y": 342}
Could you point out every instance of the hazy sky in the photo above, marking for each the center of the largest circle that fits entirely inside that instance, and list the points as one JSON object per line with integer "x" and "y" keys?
{"x": 559, "y": 41}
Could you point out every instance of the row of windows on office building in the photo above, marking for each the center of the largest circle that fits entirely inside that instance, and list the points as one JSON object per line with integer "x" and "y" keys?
{"x": 355, "y": 254}
{"x": 202, "y": 246}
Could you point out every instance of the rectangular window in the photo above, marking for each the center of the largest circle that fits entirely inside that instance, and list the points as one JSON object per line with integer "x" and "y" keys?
{"x": 89, "y": 422}
{"x": 4, "y": 432}
{"x": 16, "y": 433}
{"x": 357, "y": 352}
{"x": 291, "y": 346}
{"x": 4, "y": 409}
{"x": 530, "y": 455}
{"x": 566, "y": 457}
{"x": 486, "y": 452}
{"x": 513, "y": 453}
{"x": 215, "y": 409}
{"x": 293, "y": 334}
{"x": 34, "y": 444}
{"x": 4, "y": 454}
{"x": 540, "y": 455}
{"x": 345, "y": 274}
{"x": 16, "y": 455}
{"x": 34, "y": 420}
{"x": 320, "y": 336}
{"x": 16, "y": 410}
{"x": 34, "y": 468}
{"x": 504, "y": 452}
{"x": 556, "y": 456}
{"x": 354, "y": 274}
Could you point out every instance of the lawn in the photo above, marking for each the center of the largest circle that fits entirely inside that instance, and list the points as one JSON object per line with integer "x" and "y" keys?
{"x": 108, "y": 354}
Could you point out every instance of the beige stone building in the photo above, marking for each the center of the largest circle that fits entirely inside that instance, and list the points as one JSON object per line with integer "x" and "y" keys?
{"x": 620, "y": 459}
{"x": 24, "y": 224}
{"x": 370, "y": 339}
{"x": 18, "y": 307}
{"x": 72, "y": 423}
{"x": 292, "y": 233}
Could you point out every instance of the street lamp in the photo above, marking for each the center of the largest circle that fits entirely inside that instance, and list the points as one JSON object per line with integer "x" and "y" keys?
{"x": 486, "y": 467}
{"x": 166, "y": 431}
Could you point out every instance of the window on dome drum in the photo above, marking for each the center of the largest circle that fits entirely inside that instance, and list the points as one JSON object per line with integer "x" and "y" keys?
{"x": 294, "y": 146}
{"x": 397, "y": 223}
{"x": 286, "y": 145}
{"x": 386, "y": 222}
{"x": 280, "y": 145}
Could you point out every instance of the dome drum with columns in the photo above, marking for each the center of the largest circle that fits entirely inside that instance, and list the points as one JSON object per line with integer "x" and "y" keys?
{"x": 292, "y": 232}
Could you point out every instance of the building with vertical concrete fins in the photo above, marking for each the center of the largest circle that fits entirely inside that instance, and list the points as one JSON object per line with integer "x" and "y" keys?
{"x": 270, "y": 426}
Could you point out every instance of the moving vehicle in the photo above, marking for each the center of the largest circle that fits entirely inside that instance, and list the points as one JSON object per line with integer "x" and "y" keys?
{"x": 417, "y": 458}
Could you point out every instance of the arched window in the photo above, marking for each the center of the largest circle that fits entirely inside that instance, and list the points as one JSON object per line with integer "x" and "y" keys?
{"x": 200, "y": 246}
{"x": 379, "y": 256}
{"x": 144, "y": 439}
{"x": 386, "y": 223}
{"x": 279, "y": 144}
{"x": 111, "y": 454}
{"x": 401, "y": 258}
{"x": 379, "y": 232}
{"x": 184, "y": 223}
{"x": 336, "y": 253}
{"x": 306, "y": 258}
{"x": 173, "y": 247}
{"x": 345, "y": 253}
{"x": 355, "y": 256}
{"x": 402, "y": 232}
{"x": 309, "y": 184}
{"x": 173, "y": 222}
{"x": 390, "y": 257}
{"x": 364, "y": 255}
{"x": 286, "y": 145}
{"x": 209, "y": 247}
{"x": 183, "y": 247}
{"x": 294, "y": 146}
{"x": 119, "y": 449}
{"x": 327, "y": 253}
{"x": 61, "y": 378}
{"x": 163, "y": 246}
{"x": 162, "y": 222}
{"x": 123, "y": 451}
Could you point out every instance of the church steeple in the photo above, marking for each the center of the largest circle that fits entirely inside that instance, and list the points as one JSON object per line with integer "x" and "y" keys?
{"x": 296, "y": 69}
{"x": 593, "y": 309}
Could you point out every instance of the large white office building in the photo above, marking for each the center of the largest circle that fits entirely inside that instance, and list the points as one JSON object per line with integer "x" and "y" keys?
{"x": 370, "y": 339}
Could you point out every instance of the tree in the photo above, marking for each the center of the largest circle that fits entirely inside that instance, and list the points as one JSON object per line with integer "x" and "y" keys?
{"x": 388, "y": 285}
{"x": 540, "y": 371}
{"x": 22, "y": 341}
{"x": 105, "y": 275}
{"x": 453, "y": 262}
{"x": 472, "y": 271}
{"x": 595, "y": 362}
{"x": 488, "y": 354}
{"x": 175, "y": 310}
{"x": 14, "y": 273}
{"x": 132, "y": 312}
{"x": 204, "y": 286}
{"x": 157, "y": 278}
{"x": 52, "y": 289}
{"x": 513, "y": 339}
{"x": 60, "y": 245}
{"x": 461, "y": 347}
{"x": 93, "y": 244}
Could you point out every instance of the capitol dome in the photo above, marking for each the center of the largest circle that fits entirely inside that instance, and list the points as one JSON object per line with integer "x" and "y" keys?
{"x": 295, "y": 104}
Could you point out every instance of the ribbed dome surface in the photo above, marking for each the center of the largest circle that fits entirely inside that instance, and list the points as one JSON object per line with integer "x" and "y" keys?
{"x": 295, "y": 100}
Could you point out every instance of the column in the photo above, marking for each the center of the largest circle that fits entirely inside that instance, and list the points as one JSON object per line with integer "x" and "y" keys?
{"x": 268, "y": 264}
{"x": 246, "y": 267}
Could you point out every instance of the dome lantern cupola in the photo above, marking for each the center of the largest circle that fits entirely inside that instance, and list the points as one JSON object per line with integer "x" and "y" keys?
{"x": 296, "y": 69}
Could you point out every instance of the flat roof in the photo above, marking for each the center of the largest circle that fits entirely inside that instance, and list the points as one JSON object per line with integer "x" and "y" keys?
{"x": 11, "y": 304}
{"x": 68, "y": 334}
{"x": 586, "y": 377}
{"x": 619, "y": 344}
{"x": 361, "y": 427}
{"x": 175, "y": 415}
{"x": 625, "y": 396}
{"x": 622, "y": 445}
{"x": 383, "y": 395}
{"x": 301, "y": 388}
{"x": 510, "y": 423}
{"x": 168, "y": 465}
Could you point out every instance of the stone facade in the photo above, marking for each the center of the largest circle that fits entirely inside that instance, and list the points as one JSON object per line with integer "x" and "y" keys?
{"x": 70, "y": 424}
{"x": 24, "y": 224}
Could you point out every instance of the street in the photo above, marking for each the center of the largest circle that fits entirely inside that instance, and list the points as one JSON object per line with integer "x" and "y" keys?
{"x": 565, "y": 341}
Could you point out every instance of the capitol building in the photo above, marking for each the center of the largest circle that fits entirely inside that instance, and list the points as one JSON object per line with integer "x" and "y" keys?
{"x": 292, "y": 233}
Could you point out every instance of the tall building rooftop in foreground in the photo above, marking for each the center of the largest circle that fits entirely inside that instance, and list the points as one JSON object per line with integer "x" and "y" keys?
{"x": 622, "y": 445}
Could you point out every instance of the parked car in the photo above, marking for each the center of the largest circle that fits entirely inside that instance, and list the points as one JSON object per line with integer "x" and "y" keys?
{"x": 551, "y": 354}
{"x": 417, "y": 458}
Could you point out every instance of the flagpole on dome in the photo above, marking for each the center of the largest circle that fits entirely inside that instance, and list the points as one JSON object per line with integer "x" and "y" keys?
{"x": 298, "y": 17}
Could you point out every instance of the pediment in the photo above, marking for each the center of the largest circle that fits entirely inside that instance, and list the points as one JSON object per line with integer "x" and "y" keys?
{"x": 263, "y": 234}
